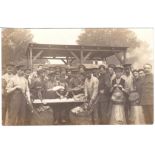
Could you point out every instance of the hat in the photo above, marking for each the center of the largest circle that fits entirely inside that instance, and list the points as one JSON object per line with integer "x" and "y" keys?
{"x": 111, "y": 66}
{"x": 40, "y": 71}
{"x": 102, "y": 66}
{"x": 140, "y": 70}
{"x": 135, "y": 70}
{"x": 20, "y": 66}
{"x": 127, "y": 65}
{"x": 82, "y": 66}
{"x": 27, "y": 69}
{"x": 51, "y": 73}
{"x": 119, "y": 67}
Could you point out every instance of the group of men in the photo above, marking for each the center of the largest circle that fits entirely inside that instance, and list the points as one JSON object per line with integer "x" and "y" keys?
{"x": 108, "y": 87}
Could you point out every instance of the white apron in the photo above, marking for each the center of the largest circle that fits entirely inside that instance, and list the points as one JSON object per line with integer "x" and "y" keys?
{"x": 118, "y": 115}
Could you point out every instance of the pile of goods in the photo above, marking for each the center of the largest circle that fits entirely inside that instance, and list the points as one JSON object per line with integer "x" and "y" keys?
{"x": 81, "y": 115}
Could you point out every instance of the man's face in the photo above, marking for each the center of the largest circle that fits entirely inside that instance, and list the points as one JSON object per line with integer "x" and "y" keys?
{"x": 118, "y": 73}
{"x": 111, "y": 70}
{"x": 127, "y": 70}
{"x": 40, "y": 67}
{"x": 102, "y": 70}
{"x": 141, "y": 74}
{"x": 147, "y": 69}
{"x": 20, "y": 72}
{"x": 82, "y": 70}
{"x": 136, "y": 75}
{"x": 9, "y": 70}
{"x": 89, "y": 75}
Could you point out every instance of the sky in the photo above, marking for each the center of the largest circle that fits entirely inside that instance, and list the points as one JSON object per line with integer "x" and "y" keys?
{"x": 69, "y": 36}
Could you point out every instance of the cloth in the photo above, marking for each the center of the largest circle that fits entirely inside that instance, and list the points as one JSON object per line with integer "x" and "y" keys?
{"x": 7, "y": 77}
{"x": 147, "y": 90}
{"x": 136, "y": 115}
{"x": 91, "y": 87}
{"x": 148, "y": 113}
{"x": 18, "y": 81}
{"x": 17, "y": 108}
{"x": 118, "y": 115}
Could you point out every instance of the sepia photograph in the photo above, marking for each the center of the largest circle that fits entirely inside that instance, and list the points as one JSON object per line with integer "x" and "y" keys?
{"x": 89, "y": 76}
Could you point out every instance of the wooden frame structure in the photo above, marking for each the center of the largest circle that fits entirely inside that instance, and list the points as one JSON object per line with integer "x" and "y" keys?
{"x": 69, "y": 53}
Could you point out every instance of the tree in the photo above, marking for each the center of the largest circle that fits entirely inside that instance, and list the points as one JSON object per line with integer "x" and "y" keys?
{"x": 14, "y": 44}
{"x": 110, "y": 37}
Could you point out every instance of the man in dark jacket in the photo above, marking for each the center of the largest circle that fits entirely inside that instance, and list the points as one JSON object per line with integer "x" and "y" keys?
{"x": 147, "y": 94}
{"x": 104, "y": 86}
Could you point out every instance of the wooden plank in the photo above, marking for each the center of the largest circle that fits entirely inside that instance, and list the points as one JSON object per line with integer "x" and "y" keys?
{"x": 63, "y": 60}
{"x": 37, "y": 55}
{"x": 118, "y": 57}
{"x": 87, "y": 56}
{"x": 81, "y": 57}
{"x": 74, "y": 55}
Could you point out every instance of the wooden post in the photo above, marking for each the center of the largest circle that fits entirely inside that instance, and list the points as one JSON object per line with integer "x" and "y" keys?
{"x": 81, "y": 57}
{"x": 31, "y": 62}
{"x": 120, "y": 60}
{"x": 124, "y": 57}
{"x": 87, "y": 56}
{"x": 75, "y": 56}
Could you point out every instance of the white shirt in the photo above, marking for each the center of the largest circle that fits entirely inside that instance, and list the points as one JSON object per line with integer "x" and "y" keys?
{"x": 7, "y": 77}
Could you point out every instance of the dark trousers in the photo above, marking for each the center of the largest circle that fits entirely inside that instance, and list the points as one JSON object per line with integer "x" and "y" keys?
{"x": 148, "y": 113}
{"x": 17, "y": 108}
{"x": 4, "y": 108}
{"x": 103, "y": 112}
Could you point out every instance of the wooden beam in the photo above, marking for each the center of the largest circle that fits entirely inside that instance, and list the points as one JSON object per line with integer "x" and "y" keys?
{"x": 37, "y": 55}
{"x": 87, "y": 56}
{"x": 74, "y": 55}
{"x": 118, "y": 57}
{"x": 64, "y": 61}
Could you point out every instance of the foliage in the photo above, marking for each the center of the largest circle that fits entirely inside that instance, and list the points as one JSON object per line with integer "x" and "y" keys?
{"x": 14, "y": 44}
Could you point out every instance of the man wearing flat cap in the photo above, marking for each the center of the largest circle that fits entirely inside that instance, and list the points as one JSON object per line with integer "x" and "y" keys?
{"x": 20, "y": 96}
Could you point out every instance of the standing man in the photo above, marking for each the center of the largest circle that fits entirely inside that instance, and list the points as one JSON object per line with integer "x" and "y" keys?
{"x": 103, "y": 90}
{"x": 5, "y": 97}
{"x": 141, "y": 73}
{"x": 147, "y": 94}
{"x": 19, "y": 95}
{"x": 111, "y": 72}
{"x": 128, "y": 77}
{"x": 91, "y": 91}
